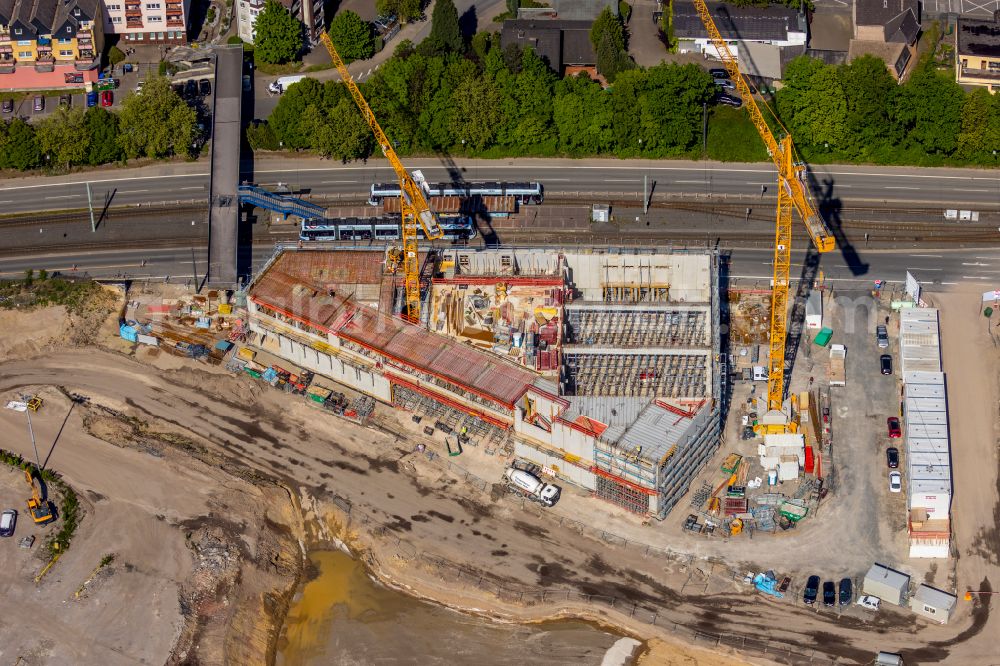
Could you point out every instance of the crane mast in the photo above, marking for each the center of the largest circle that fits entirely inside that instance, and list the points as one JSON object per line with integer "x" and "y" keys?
{"x": 791, "y": 194}
{"x": 413, "y": 204}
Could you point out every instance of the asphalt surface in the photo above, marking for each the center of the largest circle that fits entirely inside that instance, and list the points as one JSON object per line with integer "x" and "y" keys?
{"x": 933, "y": 268}
{"x": 598, "y": 180}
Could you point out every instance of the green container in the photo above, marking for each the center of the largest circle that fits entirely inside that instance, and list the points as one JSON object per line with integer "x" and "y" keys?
{"x": 253, "y": 373}
{"x": 823, "y": 337}
{"x": 317, "y": 398}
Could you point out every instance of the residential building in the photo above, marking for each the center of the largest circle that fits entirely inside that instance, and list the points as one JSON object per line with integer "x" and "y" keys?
{"x": 977, "y": 52}
{"x": 310, "y": 12}
{"x": 148, "y": 21}
{"x": 559, "y": 43}
{"x": 776, "y": 26}
{"x": 49, "y": 43}
{"x": 603, "y": 369}
{"x": 888, "y": 30}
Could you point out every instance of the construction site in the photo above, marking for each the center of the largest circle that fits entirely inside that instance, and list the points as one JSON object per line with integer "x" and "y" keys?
{"x": 597, "y": 369}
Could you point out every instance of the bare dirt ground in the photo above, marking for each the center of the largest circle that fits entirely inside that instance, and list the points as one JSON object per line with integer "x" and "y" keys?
{"x": 194, "y": 450}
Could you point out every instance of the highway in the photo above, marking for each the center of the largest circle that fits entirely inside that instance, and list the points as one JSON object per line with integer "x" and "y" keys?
{"x": 586, "y": 180}
{"x": 935, "y": 269}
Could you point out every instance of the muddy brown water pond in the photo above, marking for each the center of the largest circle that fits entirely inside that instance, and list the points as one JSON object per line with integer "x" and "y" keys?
{"x": 343, "y": 617}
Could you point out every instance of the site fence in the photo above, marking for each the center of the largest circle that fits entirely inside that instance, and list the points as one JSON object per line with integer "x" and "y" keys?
{"x": 529, "y": 596}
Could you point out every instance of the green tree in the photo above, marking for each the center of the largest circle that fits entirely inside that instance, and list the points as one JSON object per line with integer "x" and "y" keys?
{"x": 482, "y": 42}
{"x": 64, "y": 137}
{"x": 286, "y": 118}
{"x": 156, "y": 123}
{"x": 813, "y": 104}
{"x": 339, "y": 132}
{"x": 929, "y": 108}
{"x": 260, "y": 136}
{"x": 19, "y": 146}
{"x": 870, "y": 91}
{"x": 405, "y": 10}
{"x": 475, "y": 112}
{"x": 607, "y": 35}
{"x": 980, "y": 135}
{"x": 352, "y": 36}
{"x": 446, "y": 33}
{"x": 277, "y": 34}
{"x": 102, "y": 126}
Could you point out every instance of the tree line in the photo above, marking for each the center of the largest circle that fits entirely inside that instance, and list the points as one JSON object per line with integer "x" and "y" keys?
{"x": 155, "y": 124}
{"x": 494, "y": 102}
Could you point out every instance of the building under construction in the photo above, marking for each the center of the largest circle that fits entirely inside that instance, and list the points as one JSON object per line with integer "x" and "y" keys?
{"x": 602, "y": 368}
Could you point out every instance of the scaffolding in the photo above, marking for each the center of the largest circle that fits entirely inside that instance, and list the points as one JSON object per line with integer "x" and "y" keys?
{"x": 636, "y": 375}
{"x": 470, "y": 430}
{"x": 635, "y": 293}
{"x": 636, "y": 328}
{"x": 621, "y": 495}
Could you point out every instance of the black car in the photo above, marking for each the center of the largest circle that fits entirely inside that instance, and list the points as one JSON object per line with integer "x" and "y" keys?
{"x": 190, "y": 88}
{"x": 729, "y": 100}
{"x": 8, "y": 106}
{"x": 719, "y": 73}
{"x": 829, "y": 593}
{"x": 846, "y": 593}
{"x": 812, "y": 589}
{"x": 885, "y": 362}
{"x": 205, "y": 86}
{"x": 725, "y": 84}
{"x": 892, "y": 457}
{"x": 8, "y": 519}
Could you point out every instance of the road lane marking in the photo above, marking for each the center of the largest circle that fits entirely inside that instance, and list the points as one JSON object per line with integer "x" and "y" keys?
{"x": 976, "y": 277}
{"x": 975, "y": 263}
{"x": 195, "y": 187}
{"x": 133, "y": 191}
{"x": 959, "y": 189}
{"x": 933, "y": 256}
{"x": 928, "y": 269}
{"x": 900, "y": 187}
{"x": 108, "y": 180}
{"x": 64, "y": 196}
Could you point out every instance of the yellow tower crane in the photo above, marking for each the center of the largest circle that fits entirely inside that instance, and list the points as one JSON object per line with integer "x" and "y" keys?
{"x": 413, "y": 205}
{"x": 792, "y": 193}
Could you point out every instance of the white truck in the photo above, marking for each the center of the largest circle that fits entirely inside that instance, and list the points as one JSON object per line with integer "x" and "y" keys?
{"x": 838, "y": 371}
{"x": 528, "y": 485}
{"x": 280, "y": 85}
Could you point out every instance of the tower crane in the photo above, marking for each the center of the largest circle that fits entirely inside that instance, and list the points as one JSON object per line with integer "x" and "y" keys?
{"x": 413, "y": 205}
{"x": 792, "y": 193}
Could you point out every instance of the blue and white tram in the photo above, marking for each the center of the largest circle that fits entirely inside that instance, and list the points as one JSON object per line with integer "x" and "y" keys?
{"x": 378, "y": 229}
{"x": 523, "y": 193}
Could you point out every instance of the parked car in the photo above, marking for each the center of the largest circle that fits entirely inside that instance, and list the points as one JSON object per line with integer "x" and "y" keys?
{"x": 812, "y": 589}
{"x": 885, "y": 362}
{"x": 882, "y": 336}
{"x": 895, "y": 482}
{"x": 38, "y": 103}
{"x": 8, "y": 106}
{"x": 846, "y": 591}
{"x": 726, "y": 84}
{"x": 829, "y": 593}
{"x": 892, "y": 457}
{"x": 204, "y": 86}
{"x": 138, "y": 87}
{"x": 869, "y": 602}
{"x": 92, "y": 98}
{"x": 729, "y": 100}
{"x": 107, "y": 98}
{"x": 718, "y": 73}
{"x": 190, "y": 88}
{"x": 65, "y": 100}
{"x": 8, "y": 520}
{"x": 247, "y": 83}
{"x": 892, "y": 425}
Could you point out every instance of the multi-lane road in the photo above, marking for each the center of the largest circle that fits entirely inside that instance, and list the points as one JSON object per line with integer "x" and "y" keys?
{"x": 583, "y": 179}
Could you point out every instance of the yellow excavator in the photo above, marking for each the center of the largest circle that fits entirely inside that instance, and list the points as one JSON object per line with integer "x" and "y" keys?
{"x": 39, "y": 506}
